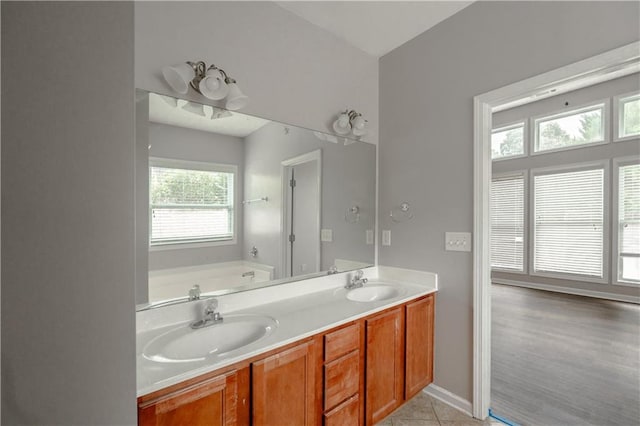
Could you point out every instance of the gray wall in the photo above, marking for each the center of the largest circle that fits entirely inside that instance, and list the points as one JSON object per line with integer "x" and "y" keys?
{"x": 348, "y": 177}
{"x": 194, "y": 145}
{"x": 292, "y": 71}
{"x": 611, "y": 150}
{"x": 142, "y": 196}
{"x": 68, "y": 325}
{"x": 426, "y": 134}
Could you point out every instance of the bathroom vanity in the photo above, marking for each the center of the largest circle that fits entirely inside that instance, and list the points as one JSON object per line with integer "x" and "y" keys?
{"x": 333, "y": 356}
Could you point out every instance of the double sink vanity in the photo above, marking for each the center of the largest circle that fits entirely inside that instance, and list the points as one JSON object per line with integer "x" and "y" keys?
{"x": 306, "y": 353}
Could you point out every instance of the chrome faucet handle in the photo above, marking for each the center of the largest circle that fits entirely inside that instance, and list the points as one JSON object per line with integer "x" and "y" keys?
{"x": 211, "y": 307}
{"x": 333, "y": 270}
{"x": 194, "y": 293}
{"x": 358, "y": 276}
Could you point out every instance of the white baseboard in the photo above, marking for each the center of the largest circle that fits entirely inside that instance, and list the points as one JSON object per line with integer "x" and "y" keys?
{"x": 449, "y": 398}
{"x": 570, "y": 290}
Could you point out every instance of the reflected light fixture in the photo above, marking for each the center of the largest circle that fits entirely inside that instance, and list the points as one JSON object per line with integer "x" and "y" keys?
{"x": 212, "y": 82}
{"x": 350, "y": 123}
{"x": 194, "y": 108}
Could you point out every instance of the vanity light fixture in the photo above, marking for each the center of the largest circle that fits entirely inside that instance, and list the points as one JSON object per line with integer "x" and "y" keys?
{"x": 350, "y": 122}
{"x": 212, "y": 82}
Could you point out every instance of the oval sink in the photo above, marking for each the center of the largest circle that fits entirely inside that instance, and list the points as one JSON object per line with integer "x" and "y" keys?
{"x": 184, "y": 344}
{"x": 372, "y": 293}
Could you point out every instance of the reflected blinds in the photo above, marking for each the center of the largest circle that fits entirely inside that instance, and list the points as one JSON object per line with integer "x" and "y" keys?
{"x": 190, "y": 205}
{"x": 569, "y": 218}
{"x": 507, "y": 223}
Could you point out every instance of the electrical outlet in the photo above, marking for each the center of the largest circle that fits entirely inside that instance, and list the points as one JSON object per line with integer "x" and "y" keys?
{"x": 386, "y": 237}
{"x": 457, "y": 241}
{"x": 326, "y": 235}
{"x": 369, "y": 236}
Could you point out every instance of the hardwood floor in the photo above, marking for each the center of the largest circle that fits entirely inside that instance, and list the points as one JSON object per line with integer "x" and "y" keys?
{"x": 560, "y": 359}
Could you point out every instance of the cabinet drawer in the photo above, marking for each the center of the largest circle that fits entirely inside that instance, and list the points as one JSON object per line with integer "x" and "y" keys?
{"x": 341, "y": 379}
{"x": 341, "y": 342}
{"x": 347, "y": 413}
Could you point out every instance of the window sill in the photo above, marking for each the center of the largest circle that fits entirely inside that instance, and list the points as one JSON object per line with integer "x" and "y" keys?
{"x": 192, "y": 245}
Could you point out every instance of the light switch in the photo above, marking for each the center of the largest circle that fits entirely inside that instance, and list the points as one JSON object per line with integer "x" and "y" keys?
{"x": 369, "y": 236}
{"x": 386, "y": 237}
{"x": 326, "y": 235}
{"x": 457, "y": 241}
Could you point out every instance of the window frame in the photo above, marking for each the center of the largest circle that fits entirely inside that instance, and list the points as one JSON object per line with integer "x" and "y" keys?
{"x": 606, "y": 224}
{"x": 606, "y": 107}
{"x": 615, "y": 122}
{"x": 524, "y": 123}
{"x": 615, "y": 240}
{"x": 201, "y": 166}
{"x": 525, "y": 219}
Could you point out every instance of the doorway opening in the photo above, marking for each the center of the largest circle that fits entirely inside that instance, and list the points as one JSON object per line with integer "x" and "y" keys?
{"x": 302, "y": 189}
{"x": 604, "y": 67}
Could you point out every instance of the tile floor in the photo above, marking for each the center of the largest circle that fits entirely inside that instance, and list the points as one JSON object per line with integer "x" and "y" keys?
{"x": 423, "y": 410}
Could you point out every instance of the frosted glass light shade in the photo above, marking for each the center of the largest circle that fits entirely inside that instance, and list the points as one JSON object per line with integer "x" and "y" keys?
{"x": 213, "y": 86}
{"x": 235, "y": 98}
{"x": 178, "y": 76}
{"x": 194, "y": 108}
{"x": 359, "y": 126}
{"x": 342, "y": 126}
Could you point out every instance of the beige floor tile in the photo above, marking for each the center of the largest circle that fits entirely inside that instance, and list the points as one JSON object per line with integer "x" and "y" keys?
{"x": 421, "y": 410}
{"x": 385, "y": 422}
{"x": 445, "y": 412}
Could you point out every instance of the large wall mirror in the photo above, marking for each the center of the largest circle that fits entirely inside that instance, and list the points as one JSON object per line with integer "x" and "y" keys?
{"x": 232, "y": 202}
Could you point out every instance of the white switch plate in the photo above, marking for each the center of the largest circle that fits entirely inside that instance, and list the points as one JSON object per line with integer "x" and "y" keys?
{"x": 326, "y": 235}
{"x": 457, "y": 241}
{"x": 370, "y": 236}
{"x": 386, "y": 237}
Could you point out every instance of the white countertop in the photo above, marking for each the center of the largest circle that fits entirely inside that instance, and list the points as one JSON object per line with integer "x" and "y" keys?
{"x": 302, "y": 309}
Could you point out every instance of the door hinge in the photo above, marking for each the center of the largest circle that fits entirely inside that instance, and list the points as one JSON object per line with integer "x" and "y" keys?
{"x": 292, "y": 238}
{"x": 292, "y": 183}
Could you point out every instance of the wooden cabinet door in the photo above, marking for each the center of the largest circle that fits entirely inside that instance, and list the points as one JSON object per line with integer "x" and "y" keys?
{"x": 212, "y": 402}
{"x": 284, "y": 388}
{"x": 385, "y": 364}
{"x": 419, "y": 345}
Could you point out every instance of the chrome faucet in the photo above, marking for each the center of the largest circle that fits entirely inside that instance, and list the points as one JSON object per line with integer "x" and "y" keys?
{"x": 211, "y": 317}
{"x": 356, "y": 280}
{"x": 194, "y": 293}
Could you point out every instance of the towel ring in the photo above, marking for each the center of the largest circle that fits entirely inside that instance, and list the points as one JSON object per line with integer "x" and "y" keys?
{"x": 401, "y": 213}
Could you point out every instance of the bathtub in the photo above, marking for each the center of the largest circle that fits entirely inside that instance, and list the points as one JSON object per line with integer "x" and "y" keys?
{"x": 175, "y": 282}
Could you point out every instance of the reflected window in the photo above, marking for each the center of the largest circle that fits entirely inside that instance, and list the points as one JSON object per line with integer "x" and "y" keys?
{"x": 629, "y": 116}
{"x": 190, "y": 202}
{"x": 570, "y": 129}
{"x": 508, "y": 141}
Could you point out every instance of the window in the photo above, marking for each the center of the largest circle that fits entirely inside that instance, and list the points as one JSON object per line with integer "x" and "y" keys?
{"x": 628, "y": 243}
{"x": 570, "y": 129}
{"x": 568, "y": 223}
{"x": 507, "y": 223}
{"x": 508, "y": 141}
{"x": 628, "y": 113}
{"x": 190, "y": 202}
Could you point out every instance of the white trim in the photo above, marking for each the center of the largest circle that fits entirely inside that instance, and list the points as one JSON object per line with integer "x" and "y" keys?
{"x": 284, "y": 166}
{"x": 615, "y": 122}
{"x": 449, "y": 398}
{"x": 524, "y": 123}
{"x": 570, "y": 290}
{"x": 615, "y": 63}
{"x": 569, "y": 168}
{"x": 604, "y": 106}
{"x": 615, "y": 227}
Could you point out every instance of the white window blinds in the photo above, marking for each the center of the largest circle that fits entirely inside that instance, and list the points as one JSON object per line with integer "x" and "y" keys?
{"x": 507, "y": 223}
{"x": 569, "y": 218}
{"x": 190, "y": 205}
{"x": 629, "y": 223}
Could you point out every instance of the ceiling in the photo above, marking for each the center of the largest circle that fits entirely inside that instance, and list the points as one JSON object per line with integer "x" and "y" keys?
{"x": 375, "y": 27}
{"x": 168, "y": 110}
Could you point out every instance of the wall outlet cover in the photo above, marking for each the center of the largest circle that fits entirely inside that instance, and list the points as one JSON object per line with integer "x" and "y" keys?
{"x": 386, "y": 237}
{"x": 326, "y": 235}
{"x": 369, "y": 237}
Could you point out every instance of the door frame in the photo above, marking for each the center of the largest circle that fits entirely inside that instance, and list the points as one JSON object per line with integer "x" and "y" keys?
{"x": 284, "y": 167}
{"x": 607, "y": 66}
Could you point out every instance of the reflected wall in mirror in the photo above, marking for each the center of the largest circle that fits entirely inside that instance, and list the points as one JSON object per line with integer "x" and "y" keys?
{"x": 232, "y": 202}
